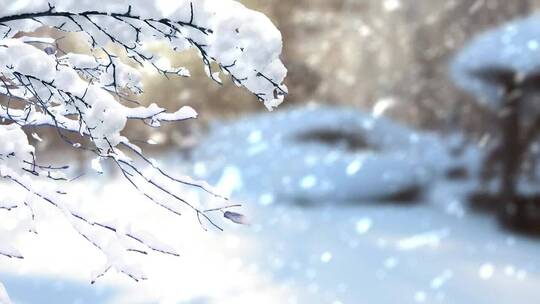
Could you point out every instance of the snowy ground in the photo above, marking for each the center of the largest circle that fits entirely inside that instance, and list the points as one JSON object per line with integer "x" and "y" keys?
{"x": 324, "y": 251}
{"x": 430, "y": 252}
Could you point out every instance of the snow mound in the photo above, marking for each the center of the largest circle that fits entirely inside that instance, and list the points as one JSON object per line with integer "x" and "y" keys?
{"x": 321, "y": 153}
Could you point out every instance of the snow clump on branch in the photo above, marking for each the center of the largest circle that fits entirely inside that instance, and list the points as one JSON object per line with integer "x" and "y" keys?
{"x": 87, "y": 94}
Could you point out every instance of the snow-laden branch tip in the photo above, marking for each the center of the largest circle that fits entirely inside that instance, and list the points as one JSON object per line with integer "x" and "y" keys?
{"x": 85, "y": 94}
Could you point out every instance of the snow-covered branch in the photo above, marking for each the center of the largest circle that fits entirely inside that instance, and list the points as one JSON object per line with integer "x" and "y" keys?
{"x": 86, "y": 94}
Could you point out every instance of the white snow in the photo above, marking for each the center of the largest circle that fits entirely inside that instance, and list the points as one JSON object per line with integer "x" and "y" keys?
{"x": 486, "y": 271}
{"x": 513, "y": 45}
{"x": 420, "y": 297}
{"x": 439, "y": 281}
{"x": 82, "y": 93}
{"x": 332, "y": 251}
{"x": 346, "y": 253}
{"x": 363, "y": 225}
{"x": 234, "y": 41}
{"x": 326, "y": 257}
{"x": 354, "y": 167}
{"x": 391, "y": 5}
{"x": 308, "y": 182}
{"x": 270, "y": 154}
{"x": 96, "y": 165}
{"x": 426, "y": 239}
{"x": 4, "y": 298}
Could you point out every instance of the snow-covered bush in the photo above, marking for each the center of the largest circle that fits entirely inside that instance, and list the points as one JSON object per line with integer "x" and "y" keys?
{"x": 322, "y": 153}
{"x": 88, "y": 95}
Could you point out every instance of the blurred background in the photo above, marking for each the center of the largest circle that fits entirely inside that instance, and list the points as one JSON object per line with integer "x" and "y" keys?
{"x": 402, "y": 166}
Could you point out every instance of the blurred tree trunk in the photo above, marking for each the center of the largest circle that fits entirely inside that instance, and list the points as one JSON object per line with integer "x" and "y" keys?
{"x": 511, "y": 148}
